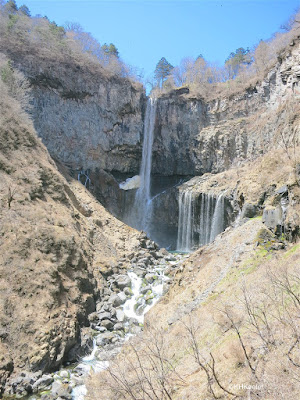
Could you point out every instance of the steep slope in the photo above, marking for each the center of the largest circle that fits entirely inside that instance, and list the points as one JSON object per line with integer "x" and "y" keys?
{"x": 55, "y": 240}
{"x": 229, "y": 326}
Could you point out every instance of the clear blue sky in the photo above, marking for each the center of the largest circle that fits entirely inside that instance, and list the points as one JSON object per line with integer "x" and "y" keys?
{"x": 146, "y": 30}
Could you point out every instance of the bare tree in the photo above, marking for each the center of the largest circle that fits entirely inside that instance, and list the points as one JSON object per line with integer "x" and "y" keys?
{"x": 209, "y": 367}
{"x": 10, "y": 195}
{"x": 146, "y": 373}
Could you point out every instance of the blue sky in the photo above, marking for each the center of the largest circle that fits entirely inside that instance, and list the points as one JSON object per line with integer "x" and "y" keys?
{"x": 146, "y": 30}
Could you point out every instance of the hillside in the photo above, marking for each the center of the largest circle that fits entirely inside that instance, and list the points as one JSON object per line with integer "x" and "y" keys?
{"x": 228, "y": 327}
{"x": 55, "y": 238}
{"x": 74, "y": 124}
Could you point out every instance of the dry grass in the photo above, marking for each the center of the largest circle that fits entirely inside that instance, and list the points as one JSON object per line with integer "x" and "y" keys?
{"x": 54, "y": 238}
{"x": 23, "y": 37}
{"x": 265, "y": 347}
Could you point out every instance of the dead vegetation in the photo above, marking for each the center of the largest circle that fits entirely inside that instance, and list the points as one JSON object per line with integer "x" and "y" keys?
{"x": 211, "y": 81}
{"x": 242, "y": 342}
{"x": 22, "y": 36}
{"x": 54, "y": 236}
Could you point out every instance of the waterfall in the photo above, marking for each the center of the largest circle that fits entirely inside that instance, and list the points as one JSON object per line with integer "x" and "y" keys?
{"x": 205, "y": 218}
{"x": 206, "y": 221}
{"x": 218, "y": 223}
{"x": 142, "y": 208}
{"x": 211, "y": 217}
{"x": 185, "y": 223}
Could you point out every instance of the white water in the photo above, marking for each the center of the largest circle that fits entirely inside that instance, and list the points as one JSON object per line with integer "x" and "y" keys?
{"x": 185, "y": 223}
{"x": 209, "y": 223}
{"x": 129, "y": 310}
{"x": 218, "y": 223}
{"x": 142, "y": 209}
{"x": 90, "y": 362}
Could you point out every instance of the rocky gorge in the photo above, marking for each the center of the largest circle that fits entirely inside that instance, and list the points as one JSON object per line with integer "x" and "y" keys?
{"x": 98, "y": 127}
{"x": 222, "y": 174}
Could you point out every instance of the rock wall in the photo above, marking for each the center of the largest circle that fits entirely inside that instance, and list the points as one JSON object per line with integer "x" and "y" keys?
{"x": 56, "y": 241}
{"x": 194, "y": 136}
{"x": 86, "y": 118}
{"x": 89, "y": 119}
{"x": 93, "y": 121}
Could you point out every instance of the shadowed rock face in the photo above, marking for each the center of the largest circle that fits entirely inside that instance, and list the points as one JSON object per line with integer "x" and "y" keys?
{"x": 55, "y": 238}
{"x": 86, "y": 118}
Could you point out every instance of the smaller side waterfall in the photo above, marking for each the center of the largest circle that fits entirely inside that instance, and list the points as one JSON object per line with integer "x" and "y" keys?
{"x": 218, "y": 223}
{"x": 201, "y": 219}
{"x": 205, "y": 218}
{"x": 186, "y": 220}
{"x": 211, "y": 217}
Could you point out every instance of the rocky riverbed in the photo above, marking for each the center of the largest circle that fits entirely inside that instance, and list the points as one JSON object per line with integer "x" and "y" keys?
{"x": 130, "y": 291}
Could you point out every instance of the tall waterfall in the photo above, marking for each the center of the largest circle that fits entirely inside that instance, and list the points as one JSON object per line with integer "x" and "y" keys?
{"x": 185, "y": 223}
{"x": 142, "y": 208}
{"x": 201, "y": 217}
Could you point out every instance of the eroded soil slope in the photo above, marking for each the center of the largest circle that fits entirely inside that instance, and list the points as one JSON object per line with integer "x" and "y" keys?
{"x": 229, "y": 325}
{"x": 54, "y": 239}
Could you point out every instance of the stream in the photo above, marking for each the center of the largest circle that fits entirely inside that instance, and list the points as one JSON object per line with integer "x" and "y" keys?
{"x": 142, "y": 293}
{"x": 134, "y": 308}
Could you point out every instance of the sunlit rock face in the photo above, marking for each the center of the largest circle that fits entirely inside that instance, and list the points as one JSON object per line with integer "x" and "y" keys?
{"x": 194, "y": 136}
{"x": 94, "y": 122}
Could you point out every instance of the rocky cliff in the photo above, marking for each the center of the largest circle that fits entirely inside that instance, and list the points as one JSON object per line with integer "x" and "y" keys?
{"x": 194, "y": 136}
{"x": 56, "y": 243}
{"x": 93, "y": 121}
{"x": 87, "y": 117}
{"x": 227, "y": 326}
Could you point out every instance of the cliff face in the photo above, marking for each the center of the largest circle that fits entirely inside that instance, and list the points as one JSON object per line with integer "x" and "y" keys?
{"x": 86, "y": 118}
{"x": 55, "y": 238}
{"x": 193, "y": 136}
{"x": 90, "y": 120}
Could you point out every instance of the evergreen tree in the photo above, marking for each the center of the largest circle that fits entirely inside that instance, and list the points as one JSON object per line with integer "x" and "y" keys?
{"x": 11, "y": 6}
{"x": 24, "y": 10}
{"x": 235, "y": 60}
{"x": 110, "y": 49}
{"x": 113, "y": 50}
{"x": 162, "y": 71}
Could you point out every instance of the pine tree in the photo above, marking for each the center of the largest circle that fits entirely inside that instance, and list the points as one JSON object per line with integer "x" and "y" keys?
{"x": 24, "y": 10}
{"x": 235, "y": 60}
{"x": 11, "y": 6}
{"x": 162, "y": 71}
{"x": 110, "y": 49}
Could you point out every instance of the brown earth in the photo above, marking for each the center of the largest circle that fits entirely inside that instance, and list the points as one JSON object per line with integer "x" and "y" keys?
{"x": 232, "y": 310}
{"x": 55, "y": 238}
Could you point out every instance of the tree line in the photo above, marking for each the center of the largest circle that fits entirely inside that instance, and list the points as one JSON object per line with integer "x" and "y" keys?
{"x": 19, "y": 29}
{"x": 242, "y": 67}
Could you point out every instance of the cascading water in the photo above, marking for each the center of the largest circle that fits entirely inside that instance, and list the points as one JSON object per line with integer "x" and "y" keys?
{"x": 146, "y": 290}
{"x": 207, "y": 224}
{"x": 185, "y": 223}
{"x": 218, "y": 223}
{"x": 142, "y": 208}
{"x": 205, "y": 217}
